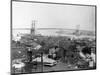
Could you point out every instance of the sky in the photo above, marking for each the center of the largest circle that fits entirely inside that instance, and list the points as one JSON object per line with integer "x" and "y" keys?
{"x": 52, "y": 16}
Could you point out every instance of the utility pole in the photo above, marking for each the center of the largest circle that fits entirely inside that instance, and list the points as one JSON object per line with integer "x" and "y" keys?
{"x": 41, "y": 61}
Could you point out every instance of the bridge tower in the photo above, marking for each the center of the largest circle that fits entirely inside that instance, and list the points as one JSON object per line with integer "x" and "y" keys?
{"x": 33, "y": 27}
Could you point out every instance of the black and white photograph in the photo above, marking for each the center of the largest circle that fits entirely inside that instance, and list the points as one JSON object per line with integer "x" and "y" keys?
{"x": 52, "y": 37}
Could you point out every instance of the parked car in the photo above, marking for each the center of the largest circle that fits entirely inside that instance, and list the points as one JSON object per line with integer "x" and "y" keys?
{"x": 46, "y": 61}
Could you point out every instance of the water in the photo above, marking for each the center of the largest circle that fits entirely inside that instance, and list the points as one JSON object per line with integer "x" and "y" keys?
{"x": 68, "y": 33}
